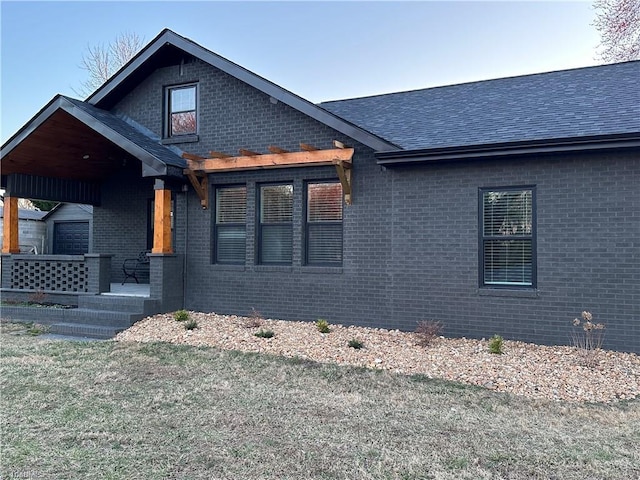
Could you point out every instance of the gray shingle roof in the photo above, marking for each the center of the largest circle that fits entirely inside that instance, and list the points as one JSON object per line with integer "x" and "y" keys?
{"x": 25, "y": 214}
{"x": 582, "y": 102}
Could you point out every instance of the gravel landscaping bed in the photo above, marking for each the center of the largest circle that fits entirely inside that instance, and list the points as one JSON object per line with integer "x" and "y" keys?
{"x": 535, "y": 371}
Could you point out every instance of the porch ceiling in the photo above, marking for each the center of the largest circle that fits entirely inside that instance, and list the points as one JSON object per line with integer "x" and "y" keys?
{"x": 64, "y": 147}
{"x": 74, "y": 140}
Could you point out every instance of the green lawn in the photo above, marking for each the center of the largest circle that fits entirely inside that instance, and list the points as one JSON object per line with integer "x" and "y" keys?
{"x": 107, "y": 410}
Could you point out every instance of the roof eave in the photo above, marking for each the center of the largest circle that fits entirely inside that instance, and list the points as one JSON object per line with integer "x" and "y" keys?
{"x": 269, "y": 88}
{"x": 28, "y": 128}
{"x": 509, "y": 150}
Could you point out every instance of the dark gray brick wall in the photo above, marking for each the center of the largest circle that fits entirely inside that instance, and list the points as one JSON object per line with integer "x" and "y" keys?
{"x": 410, "y": 237}
{"x": 120, "y": 222}
{"x": 588, "y": 213}
{"x": 231, "y": 116}
{"x": 166, "y": 282}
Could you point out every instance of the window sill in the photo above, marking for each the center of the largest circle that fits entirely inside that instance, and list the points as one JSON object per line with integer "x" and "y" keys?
{"x": 273, "y": 268}
{"x": 317, "y": 269}
{"x": 508, "y": 292}
{"x": 228, "y": 267}
{"x": 181, "y": 139}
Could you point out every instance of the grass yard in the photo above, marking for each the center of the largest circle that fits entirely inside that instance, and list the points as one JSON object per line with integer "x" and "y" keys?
{"x": 117, "y": 410}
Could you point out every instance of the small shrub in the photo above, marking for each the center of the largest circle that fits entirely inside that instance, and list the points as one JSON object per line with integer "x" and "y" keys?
{"x": 496, "y": 344}
{"x": 38, "y": 297}
{"x": 357, "y": 344}
{"x": 322, "y": 326}
{"x": 264, "y": 333}
{"x": 254, "y": 319}
{"x": 427, "y": 331}
{"x": 587, "y": 337}
{"x": 181, "y": 316}
{"x": 36, "y": 329}
{"x": 191, "y": 324}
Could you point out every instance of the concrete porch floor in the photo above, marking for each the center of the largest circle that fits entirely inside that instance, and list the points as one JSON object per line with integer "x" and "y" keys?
{"x": 129, "y": 290}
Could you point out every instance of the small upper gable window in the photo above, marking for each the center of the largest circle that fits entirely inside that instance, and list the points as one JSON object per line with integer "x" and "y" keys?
{"x": 182, "y": 118}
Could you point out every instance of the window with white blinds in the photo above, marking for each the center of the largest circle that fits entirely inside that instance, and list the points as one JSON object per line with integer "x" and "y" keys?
{"x": 324, "y": 224}
{"x": 230, "y": 225}
{"x": 275, "y": 243}
{"x": 507, "y": 232}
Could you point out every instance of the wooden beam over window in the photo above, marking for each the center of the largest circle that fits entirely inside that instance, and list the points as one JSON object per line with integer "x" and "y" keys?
{"x": 310, "y": 156}
{"x": 191, "y": 156}
{"x": 248, "y": 153}
{"x": 275, "y": 149}
{"x": 214, "y": 154}
{"x": 272, "y": 160}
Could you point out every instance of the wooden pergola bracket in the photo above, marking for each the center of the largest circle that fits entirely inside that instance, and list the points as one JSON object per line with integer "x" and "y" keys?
{"x": 200, "y": 185}
{"x": 344, "y": 174}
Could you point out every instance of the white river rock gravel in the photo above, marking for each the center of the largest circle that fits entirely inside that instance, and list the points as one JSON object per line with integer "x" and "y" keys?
{"x": 534, "y": 371}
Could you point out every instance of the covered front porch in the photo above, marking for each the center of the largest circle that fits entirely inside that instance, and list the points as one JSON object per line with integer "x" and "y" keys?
{"x": 73, "y": 152}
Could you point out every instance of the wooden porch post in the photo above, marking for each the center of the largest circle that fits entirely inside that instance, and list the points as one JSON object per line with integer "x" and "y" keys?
{"x": 162, "y": 219}
{"x": 10, "y": 241}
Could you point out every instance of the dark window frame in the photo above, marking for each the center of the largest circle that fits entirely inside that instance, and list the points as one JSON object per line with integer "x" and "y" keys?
{"x": 482, "y": 238}
{"x": 259, "y": 224}
{"x": 307, "y": 224}
{"x": 216, "y": 227}
{"x": 167, "y": 131}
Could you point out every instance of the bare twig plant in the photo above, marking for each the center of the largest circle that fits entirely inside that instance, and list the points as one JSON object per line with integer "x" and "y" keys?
{"x": 587, "y": 337}
{"x": 254, "y": 319}
{"x": 427, "y": 331}
{"x": 101, "y": 61}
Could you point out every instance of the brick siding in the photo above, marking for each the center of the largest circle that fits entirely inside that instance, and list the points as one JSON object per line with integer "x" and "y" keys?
{"x": 410, "y": 237}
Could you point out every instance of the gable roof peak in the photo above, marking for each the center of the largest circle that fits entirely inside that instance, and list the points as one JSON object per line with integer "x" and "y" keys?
{"x": 168, "y": 43}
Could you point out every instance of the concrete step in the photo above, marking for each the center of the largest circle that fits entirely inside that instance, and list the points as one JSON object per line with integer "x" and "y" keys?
{"x": 71, "y": 338}
{"x": 117, "y": 303}
{"x": 84, "y": 330}
{"x": 101, "y": 317}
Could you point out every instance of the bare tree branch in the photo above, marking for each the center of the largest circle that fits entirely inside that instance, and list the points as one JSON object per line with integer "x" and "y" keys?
{"x": 618, "y": 22}
{"x": 101, "y": 61}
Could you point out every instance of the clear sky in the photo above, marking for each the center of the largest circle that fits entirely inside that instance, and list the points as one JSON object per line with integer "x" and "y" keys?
{"x": 319, "y": 50}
